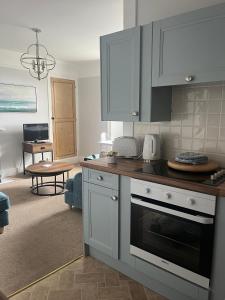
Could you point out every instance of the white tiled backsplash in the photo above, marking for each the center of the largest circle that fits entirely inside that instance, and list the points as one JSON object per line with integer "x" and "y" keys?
{"x": 197, "y": 124}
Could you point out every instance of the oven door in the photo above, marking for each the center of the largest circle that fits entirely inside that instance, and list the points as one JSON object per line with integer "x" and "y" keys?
{"x": 173, "y": 238}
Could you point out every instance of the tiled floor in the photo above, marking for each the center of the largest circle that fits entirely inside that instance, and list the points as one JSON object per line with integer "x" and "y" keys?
{"x": 87, "y": 279}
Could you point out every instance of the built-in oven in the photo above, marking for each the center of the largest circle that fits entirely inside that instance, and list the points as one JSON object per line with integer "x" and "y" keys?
{"x": 173, "y": 229}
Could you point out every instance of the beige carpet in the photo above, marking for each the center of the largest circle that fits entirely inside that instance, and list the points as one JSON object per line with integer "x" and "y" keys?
{"x": 43, "y": 235}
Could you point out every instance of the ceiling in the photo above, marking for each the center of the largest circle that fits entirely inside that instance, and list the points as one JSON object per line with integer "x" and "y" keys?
{"x": 152, "y": 10}
{"x": 70, "y": 28}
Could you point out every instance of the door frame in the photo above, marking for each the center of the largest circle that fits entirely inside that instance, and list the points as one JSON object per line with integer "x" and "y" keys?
{"x": 57, "y": 79}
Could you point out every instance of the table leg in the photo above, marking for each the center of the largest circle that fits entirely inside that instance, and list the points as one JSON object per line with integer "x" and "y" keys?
{"x": 52, "y": 156}
{"x": 41, "y": 180}
{"x": 37, "y": 185}
{"x": 33, "y": 158}
{"x": 63, "y": 179}
{"x": 42, "y": 155}
{"x": 55, "y": 186}
{"x": 32, "y": 182}
{"x": 24, "y": 163}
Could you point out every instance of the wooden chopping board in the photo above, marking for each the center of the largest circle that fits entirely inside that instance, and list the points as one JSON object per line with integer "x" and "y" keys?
{"x": 208, "y": 167}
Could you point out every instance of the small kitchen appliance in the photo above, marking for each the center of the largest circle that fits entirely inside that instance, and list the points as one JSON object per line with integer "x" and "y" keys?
{"x": 125, "y": 146}
{"x": 151, "y": 148}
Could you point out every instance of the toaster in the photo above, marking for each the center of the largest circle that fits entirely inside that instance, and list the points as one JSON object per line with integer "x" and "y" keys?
{"x": 125, "y": 146}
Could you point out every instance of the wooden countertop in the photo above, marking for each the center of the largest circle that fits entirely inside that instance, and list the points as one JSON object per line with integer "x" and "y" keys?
{"x": 127, "y": 167}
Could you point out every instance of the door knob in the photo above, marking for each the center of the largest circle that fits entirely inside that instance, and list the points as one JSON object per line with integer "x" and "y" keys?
{"x": 189, "y": 78}
{"x": 99, "y": 178}
{"x": 135, "y": 113}
{"x": 114, "y": 198}
{"x": 53, "y": 118}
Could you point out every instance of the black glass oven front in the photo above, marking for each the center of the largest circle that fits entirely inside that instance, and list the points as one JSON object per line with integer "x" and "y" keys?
{"x": 179, "y": 240}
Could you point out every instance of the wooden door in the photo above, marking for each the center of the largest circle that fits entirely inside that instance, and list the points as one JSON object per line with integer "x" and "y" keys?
{"x": 101, "y": 214}
{"x": 120, "y": 75}
{"x": 63, "y": 118}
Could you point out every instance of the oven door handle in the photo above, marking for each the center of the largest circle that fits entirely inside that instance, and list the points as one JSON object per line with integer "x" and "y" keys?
{"x": 198, "y": 218}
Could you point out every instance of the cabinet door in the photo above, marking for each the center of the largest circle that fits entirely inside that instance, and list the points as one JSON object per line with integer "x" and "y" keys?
{"x": 100, "y": 215}
{"x": 190, "y": 48}
{"x": 120, "y": 75}
{"x": 125, "y": 192}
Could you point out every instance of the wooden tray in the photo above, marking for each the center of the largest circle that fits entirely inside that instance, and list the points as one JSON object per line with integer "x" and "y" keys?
{"x": 203, "y": 168}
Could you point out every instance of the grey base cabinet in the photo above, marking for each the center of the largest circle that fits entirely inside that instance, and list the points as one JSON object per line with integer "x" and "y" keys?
{"x": 100, "y": 217}
{"x": 218, "y": 270}
{"x": 106, "y": 218}
{"x": 125, "y": 207}
{"x": 189, "y": 48}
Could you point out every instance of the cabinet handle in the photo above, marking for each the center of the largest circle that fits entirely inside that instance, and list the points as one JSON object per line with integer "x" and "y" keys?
{"x": 114, "y": 198}
{"x": 135, "y": 113}
{"x": 189, "y": 78}
{"x": 42, "y": 148}
{"x": 99, "y": 178}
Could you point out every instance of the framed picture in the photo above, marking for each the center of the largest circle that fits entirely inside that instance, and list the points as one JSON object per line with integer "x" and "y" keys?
{"x": 17, "y": 98}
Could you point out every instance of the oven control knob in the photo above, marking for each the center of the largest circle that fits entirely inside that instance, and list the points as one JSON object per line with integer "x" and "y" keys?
{"x": 191, "y": 201}
{"x": 148, "y": 190}
{"x": 168, "y": 196}
{"x": 212, "y": 177}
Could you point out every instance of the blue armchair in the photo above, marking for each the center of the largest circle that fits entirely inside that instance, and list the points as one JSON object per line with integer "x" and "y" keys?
{"x": 73, "y": 195}
{"x": 4, "y": 205}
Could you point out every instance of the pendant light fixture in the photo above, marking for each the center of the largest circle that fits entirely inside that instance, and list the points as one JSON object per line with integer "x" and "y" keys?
{"x": 37, "y": 59}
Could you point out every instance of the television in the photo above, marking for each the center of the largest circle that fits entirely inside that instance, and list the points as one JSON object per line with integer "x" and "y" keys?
{"x": 35, "y": 132}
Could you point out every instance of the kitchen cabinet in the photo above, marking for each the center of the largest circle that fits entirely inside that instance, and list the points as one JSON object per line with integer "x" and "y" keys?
{"x": 218, "y": 271}
{"x": 189, "y": 48}
{"x": 125, "y": 207}
{"x": 126, "y": 67}
{"x": 107, "y": 235}
{"x": 120, "y": 75}
{"x": 100, "y": 218}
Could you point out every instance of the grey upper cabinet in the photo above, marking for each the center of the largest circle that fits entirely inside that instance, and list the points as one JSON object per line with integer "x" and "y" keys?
{"x": 126, "y": 78}
{"x": 100, "y": 218}
{"x": 120, "y": 75}
{"x": 190, "y": 48}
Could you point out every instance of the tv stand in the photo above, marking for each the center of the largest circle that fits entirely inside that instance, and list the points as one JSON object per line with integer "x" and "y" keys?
{"x": 35, "y": 148}
{"x": 39, "y": 142}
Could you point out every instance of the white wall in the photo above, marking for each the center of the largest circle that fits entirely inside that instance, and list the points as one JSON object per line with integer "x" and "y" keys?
{"x": 90, "y": 126}
{"x": 89, "y": 68}
{"x": 11, "y": 139}
{"x": 152, "y": 10}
